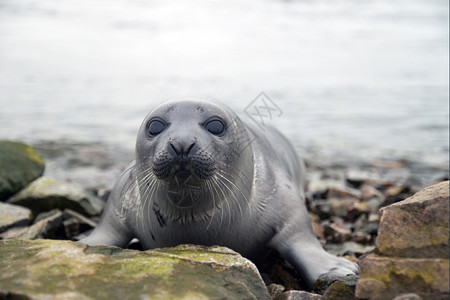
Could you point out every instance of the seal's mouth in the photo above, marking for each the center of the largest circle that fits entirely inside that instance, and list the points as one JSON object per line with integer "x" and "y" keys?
{"x": 182, "y": 175}
{"x": 197, "y": 167}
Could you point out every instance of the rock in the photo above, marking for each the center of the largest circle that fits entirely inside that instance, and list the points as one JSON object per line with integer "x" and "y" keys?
{"x": 337, "y": 232}
{"x": 13, "y": 233}
{"x": 318, "y": 187}
{"x": 20, "y": 164}
{"x": 386, "y": 277}
{"x": 413, "y": 249}
{"x": 338, "y": 291}
{"x": 298, "y": 295}
{"x": 45, "y": 194}
{"x": 45, "y": 269}
{"x": 45, "y": 228}
{"x": 358, "y": 208}
{"x": 71, "y": 227}
{"x": 358, "y": 177}
{"x": 13, "y": 216}
{"x": 395, "y": 194}
{"x": 343, "y": 193}
{"x": 368, "y": 192}
{"x": 340, "y": 207}
{"x": 325, "y": 281}
{"x": 408, "y": 296}
{"x": 417, "y": 226}
{"x": 275, "y": 289}
{"x": 348, "y": 248}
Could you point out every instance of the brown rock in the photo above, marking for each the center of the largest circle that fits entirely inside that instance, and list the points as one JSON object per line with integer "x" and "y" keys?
{"x": 418, "y": 226}
{"x": 386, "y": 277}
{"x": 337, "y": 232}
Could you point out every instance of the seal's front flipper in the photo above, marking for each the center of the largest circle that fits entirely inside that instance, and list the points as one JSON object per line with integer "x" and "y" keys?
{"x": 110, "y": 230}
{"x": 108, "y": 237}
{"x": 313, "y": 262}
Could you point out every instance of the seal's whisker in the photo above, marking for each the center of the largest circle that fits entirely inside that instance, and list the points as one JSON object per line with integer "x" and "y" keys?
{"x": 208, "y": 184}
{"x": 233, "y": 196}
{"x": 222, "y": 174}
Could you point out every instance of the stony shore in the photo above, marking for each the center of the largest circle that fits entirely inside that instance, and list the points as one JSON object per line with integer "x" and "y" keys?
{"x": 401, "y": 245}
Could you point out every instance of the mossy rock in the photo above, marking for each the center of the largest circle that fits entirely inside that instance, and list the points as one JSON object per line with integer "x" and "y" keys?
{"x": 45, "y": 194}
{"x": 385, "y": 277}
{"x": 20, "y": 164}
{"x": 46, "y": 269}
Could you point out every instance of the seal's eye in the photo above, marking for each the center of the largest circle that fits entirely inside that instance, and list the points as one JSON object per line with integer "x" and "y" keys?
{"x": 155, "y": 127}
{"x": 215, "y": 126}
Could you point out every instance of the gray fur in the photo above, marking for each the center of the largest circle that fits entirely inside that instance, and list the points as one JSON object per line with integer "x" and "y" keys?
{"x": 245, "y": 191}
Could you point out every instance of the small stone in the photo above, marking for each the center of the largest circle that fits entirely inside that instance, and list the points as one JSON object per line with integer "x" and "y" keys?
{"x": 318, "y": 187}
{"x": 343, "y": 193}
{"x": 340, "y": 207}
{"x": 338, "y": 291}
{"x": 348, "y": 248}
{"x": 337, "y": 232}
{"x": 325, "y": 281}
{"x": 71, "y": 227}
{"x": 45, "y": 194}
{"x": 368, "y": 192}
{"x": 396, "y": 194}
{"x": 408, "y": 296}
{"x": 13, "y": 233}
{"x": 275, "y": 289}
{"x": 20, "y": 164}
{"x": 361, "y": 237}
{"x": 298, "y": 295}
{"x": 13, "y": 216}
{"x": 357, "y": 208}
{"x": 45, "y": 228}
{"x": 359, "y": 177}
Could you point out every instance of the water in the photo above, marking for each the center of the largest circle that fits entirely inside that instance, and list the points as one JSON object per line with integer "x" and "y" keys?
{"x": 357, "y": 81}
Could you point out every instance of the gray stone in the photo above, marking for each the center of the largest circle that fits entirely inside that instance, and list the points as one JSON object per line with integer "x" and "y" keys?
{"x": 347, "y": 248}
{"x": 275, "y": 289}
{"x": 408, "y": 296}
{"x": 13, "y": 216}
{"x": 298, "y": 295}
{"x": 45, "y": 228}
{"x": 20, "y": 164}
{"x": 46, "y": 194}
{"x": 45, "y": 269}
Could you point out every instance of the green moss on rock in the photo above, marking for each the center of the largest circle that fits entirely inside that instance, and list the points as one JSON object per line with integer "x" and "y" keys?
{"x": 45, "y": 194}
{"x": 42, "y": 269}
{"x": 20, "y": 164}
{"x": 384, "y": 277}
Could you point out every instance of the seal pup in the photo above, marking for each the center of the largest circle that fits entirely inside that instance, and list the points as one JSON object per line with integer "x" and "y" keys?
{"x": 203, "y": 176}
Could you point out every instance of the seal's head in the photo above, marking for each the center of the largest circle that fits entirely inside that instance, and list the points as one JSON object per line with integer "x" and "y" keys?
{"x": 189, "y": 153}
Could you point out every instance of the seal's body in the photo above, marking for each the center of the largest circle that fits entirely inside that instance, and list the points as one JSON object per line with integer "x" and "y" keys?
{"x": 203, "y": 176}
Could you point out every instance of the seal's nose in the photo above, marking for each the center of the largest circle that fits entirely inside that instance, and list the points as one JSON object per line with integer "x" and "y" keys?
{"x": 182, "y": 148}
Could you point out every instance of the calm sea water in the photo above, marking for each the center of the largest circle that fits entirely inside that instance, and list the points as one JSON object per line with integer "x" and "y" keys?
{"x": 354, "y": 80}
